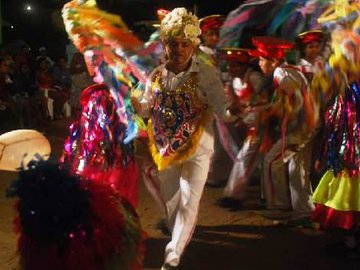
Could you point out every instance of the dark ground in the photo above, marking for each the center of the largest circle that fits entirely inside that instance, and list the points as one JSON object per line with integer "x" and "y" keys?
{"x": 223, "y": 240}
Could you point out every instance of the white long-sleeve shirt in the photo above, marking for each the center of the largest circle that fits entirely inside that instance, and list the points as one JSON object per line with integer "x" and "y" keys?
{"x": 210, "y": 88}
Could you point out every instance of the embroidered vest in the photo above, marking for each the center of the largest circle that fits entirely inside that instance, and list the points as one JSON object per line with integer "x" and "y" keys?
{"x": 177, "y": 122}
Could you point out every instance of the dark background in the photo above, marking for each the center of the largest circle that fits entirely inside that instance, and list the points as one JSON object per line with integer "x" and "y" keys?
{"x": 43, "y": 26}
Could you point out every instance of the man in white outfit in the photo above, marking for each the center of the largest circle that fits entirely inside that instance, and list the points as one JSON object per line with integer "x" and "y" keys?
{"x": 286, "y": 166}
{"x": 180, "y": 99}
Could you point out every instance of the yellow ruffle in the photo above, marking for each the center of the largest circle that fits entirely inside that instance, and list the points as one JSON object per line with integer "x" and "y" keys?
{"x": 340, "y": 193}
{"x": 181, "y": 154}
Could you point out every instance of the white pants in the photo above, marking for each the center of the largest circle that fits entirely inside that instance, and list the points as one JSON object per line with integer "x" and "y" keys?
{"x": 286, "y": 175}
{"x": 178, "y": 190}
{"x": 246, "y": 161}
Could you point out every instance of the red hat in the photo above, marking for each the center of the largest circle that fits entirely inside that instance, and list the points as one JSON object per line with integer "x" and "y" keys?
{"x": 270, "y": 47}
{"x": 211, "y": 22}
{"x": 311, "y": 36}
{"x": 234, "y": 54}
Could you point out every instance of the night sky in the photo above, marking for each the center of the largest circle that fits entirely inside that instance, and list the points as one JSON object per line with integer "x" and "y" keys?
{"x": 43, "y": 25}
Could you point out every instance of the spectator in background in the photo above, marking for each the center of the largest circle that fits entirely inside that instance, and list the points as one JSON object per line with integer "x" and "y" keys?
{"x": 80, "y": 79}
{"x": 7, "y": 105}
{"x": 62, "y": 82}
{"x": 22, "y": 57}
{"x": 25, "y": 86}
{"x": 4, "y": 54}
{"x": 6, "y": 84}
{"x": 45, "y": 83}
{"x": 61, "y": 74}
{"x": 43, "y": 53}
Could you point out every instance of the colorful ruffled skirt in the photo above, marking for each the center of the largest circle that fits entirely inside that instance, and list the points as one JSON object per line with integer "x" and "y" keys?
{"x": 337, "y": 196}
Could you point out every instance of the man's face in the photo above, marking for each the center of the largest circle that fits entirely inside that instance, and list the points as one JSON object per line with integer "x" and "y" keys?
{"x": 313, "y": 50}
{"x": 179, "y": 51}
{"x": 267, "y": 65}
{"x": 210, "y": 37}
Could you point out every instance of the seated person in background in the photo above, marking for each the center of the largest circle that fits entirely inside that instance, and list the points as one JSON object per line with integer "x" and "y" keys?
{"x": 62, "y": 81}
{"x": 43, "y": 53}
{"x": 8, "y": 111}
{"x": 45, "y": 83}
{"x": 26, "y": 89}
{"x": 80, "y": 79}
{"x": 61, "y": 74}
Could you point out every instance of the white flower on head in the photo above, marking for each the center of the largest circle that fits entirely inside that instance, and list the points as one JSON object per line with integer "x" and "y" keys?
{"x": 180, "y": 12}
{"x": 180, "y": 23}
{"x": 191, "y": 31}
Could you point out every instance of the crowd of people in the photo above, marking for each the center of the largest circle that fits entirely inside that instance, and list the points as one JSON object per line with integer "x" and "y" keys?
{"x": 252, "y": 106}
{"x": 272, "y": 104}
{"x": 269, "y": 106}
{"x": 36, "y": 89}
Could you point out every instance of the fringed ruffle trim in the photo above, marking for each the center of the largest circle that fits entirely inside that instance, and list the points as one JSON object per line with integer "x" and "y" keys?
{"x": 340, "y": 192}
{"x": 329, "y": 217}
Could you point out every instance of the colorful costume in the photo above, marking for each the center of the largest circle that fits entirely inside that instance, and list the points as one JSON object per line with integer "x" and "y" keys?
{"x": 99, "y": 146}
{"x": 181, "y": 143}
{"x": 293, "y": 105}
{"x": 210, "y": 27}
{"x": 311, "y": 39}
{"x": 180, "y": 107}
{"x": 295, "y": 191}
{"x": 95, "y": 148}
{"x": 247, "y": 90}
{"x": 337, "y": 195}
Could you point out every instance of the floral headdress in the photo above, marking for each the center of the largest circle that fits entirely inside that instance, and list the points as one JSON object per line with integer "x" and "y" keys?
{"x": 180, "y": 23}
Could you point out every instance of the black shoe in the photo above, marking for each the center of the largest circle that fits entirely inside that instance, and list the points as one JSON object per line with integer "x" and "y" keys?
{"x": 230, "y": 203}
{"x": 162, "y": 226}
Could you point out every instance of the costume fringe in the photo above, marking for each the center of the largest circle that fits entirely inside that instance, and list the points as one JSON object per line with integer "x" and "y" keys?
{"x": 181, "y": 154}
